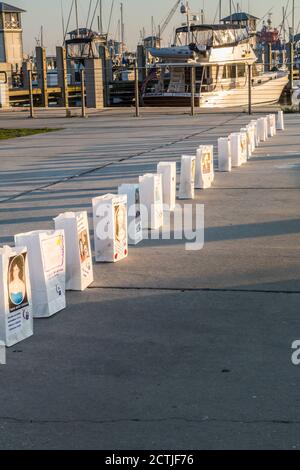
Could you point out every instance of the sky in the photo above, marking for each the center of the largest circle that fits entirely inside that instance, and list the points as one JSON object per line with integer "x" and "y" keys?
{"x": 137, "y": 14}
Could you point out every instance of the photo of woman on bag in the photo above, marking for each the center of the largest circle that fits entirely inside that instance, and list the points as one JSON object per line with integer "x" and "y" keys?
{"x": 120, "y": 223}
{"x": 206, "y": 160}
{"x": 16, "y": 283}
{"x": 84, "y": 246}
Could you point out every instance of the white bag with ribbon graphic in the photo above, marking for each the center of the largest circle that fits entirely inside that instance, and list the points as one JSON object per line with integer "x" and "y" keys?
{"x": 204, "y": 167}
{"x": 134, "y": 217}
{"x": 47, "y": 268}
{"x": 110, "y": 228}
{"x": 16, "y": 314}
{"x": 79, "y": 262}
{"x": 152, "y": 201}
{"x": 187, "y": 177}
{"x": 168, "y": 172}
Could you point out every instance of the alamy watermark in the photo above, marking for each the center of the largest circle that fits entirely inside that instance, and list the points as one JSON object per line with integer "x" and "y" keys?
{"x": 296, "y": 352}
{"x": 185, "y": 223}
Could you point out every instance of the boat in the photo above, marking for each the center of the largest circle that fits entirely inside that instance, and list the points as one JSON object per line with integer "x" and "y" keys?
{"x": 220, "y": 55}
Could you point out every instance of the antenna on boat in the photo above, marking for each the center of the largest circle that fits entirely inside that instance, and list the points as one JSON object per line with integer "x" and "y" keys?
{"x": 202, "y": 16}
{"x": 185, "y": 10}
{"x": 42, "y": 36}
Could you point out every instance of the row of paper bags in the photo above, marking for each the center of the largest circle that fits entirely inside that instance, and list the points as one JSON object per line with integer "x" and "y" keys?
{"x": 35, "y": 274}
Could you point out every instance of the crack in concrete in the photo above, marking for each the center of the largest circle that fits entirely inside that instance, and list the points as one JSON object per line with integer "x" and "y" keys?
{"x": 202, "y": 420}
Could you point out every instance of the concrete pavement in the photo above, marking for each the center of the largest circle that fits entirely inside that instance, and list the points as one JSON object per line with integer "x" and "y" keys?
{"x": 169, "y": 349}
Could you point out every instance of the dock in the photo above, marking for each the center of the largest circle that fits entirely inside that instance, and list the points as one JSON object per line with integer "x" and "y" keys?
{"x": 169, "y": 349}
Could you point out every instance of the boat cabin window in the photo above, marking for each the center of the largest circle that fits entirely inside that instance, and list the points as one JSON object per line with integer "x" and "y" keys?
{"x": 231, "y": 71}
{"x": 234, "y": 71}
{"x": 241, "y": 69}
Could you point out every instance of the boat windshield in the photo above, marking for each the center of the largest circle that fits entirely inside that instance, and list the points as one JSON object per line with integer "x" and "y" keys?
{"x": 205, "y": 38}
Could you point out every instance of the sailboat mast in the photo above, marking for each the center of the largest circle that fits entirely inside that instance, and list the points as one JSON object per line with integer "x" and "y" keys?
{"x": 76, "y": 13}
{"x": 122, "y": 29}
{"x": 283, "y": 25}
{"x": 100, "y": 18}
{"x": 152, "y": 31}
{"x": 220, "y": 10}
{"x": 293, "y": 21}
{"x": 62, "y": 19}
{"x": 292, "y": 45}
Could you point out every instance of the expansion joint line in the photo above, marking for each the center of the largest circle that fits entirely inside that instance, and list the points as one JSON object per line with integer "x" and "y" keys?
{"x": 195, "y": 289}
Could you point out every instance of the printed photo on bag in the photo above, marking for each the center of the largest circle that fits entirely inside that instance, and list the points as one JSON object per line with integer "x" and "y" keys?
{"x": 206, "y": 163}
{"x": 120, "y": 223}
{"x": 17, "y": 288}
{"x": 53, "y": 254}
{"x": 84, "y": 246}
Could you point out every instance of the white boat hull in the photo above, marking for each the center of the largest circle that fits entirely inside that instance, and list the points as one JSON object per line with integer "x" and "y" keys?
{"x": 264, "y": 93}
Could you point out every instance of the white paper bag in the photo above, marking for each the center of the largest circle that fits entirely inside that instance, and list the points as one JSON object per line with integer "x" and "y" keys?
{"x": 266, "y": 126}
{"x": 168, "y": 172}
{"x": 16, "y": 314}
{"x": 134, "y": 217}
{"x": 244, "y": 146}
{"x": 280, "y": 121}
{"x": 256, "y": 136}
{"x": 262, "y": 129}
{"x": 249, "y": 134}
{"x": 251, "y": 131}
{"x": 224, "y": 154}
{"x": 271, "y": 125}
{"x": 47, "y": 268}
{"x": 79, "y": 262}
{"x": 152, "y": 201}
{"x": 110, "y": 228}
{"x": 204, "y": 167}
{"x": 236, "y": 149}
{"x": 187, "y": 177}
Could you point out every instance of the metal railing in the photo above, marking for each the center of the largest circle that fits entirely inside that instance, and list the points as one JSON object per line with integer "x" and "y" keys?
{"x": 192, "y": 91}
